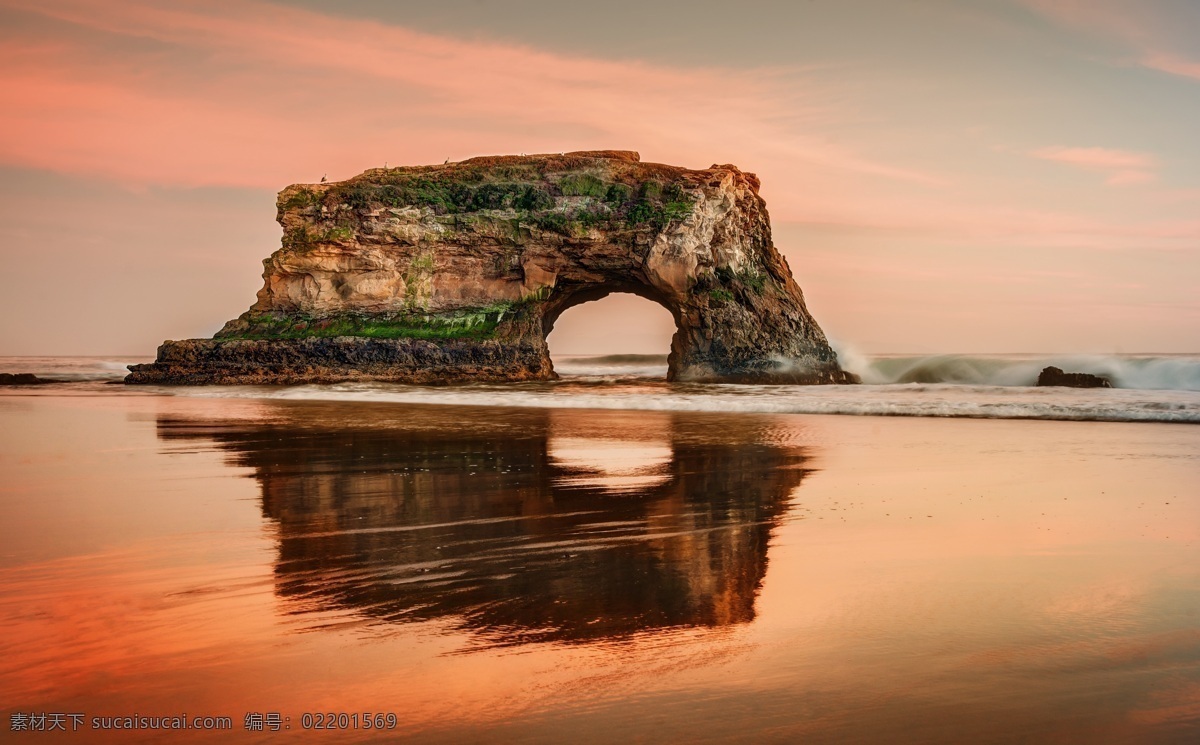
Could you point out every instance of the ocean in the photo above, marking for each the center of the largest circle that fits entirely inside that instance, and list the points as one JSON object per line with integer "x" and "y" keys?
{"x": 1147, "y": 388}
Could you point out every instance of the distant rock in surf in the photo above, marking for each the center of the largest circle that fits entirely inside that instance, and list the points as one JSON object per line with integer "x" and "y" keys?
{"x": 1055, "y": 376}
{"x": 22, "y": 379}
{"x": 458, "y": 272}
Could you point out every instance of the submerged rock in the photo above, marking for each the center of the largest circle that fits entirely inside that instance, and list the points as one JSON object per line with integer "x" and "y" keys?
{"x": 459, "y": 271}
{"x": 22, "y": 379}
{"x": 1055, "y": 376}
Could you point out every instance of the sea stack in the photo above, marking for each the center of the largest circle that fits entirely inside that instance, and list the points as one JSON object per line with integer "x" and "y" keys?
{"x": 457, "y": 272}
{"x": 23, "y": 379}
{"x": 1054, "y": 376}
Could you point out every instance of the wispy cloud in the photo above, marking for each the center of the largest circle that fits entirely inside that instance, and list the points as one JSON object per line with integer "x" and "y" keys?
{"x": 294, "y": 92}
{"x": 1174, "y": 65}
{"x": 1158, "y": 40}
{"x": 260, "y": 95}
{"x": 1119, "y": 167}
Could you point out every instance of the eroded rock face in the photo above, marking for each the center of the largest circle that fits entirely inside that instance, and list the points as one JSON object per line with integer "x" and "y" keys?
{"x": 459, "y": 271}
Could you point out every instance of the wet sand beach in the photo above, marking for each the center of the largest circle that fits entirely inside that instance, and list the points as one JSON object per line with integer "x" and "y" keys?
{"x": 491, "y": 574}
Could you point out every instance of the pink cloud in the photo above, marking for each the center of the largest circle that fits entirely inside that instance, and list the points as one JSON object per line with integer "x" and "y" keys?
{"x": 1120, "y": 167}
{"x": 294, "y": 93}
{"x": 286, "y": 95}
{"x": 1173, "y": 65}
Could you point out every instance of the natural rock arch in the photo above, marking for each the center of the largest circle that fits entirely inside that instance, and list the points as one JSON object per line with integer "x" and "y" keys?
{"x": 459, "y": 271}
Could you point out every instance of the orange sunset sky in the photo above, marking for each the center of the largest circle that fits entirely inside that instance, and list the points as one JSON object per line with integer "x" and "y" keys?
{"x": 983, "y": 176}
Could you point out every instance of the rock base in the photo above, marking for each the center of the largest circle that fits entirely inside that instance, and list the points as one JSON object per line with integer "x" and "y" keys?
{"x": 340, "y": 359}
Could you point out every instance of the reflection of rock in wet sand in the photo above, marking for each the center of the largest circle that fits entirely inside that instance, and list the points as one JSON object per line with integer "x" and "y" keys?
{"x": 498, "y": 519}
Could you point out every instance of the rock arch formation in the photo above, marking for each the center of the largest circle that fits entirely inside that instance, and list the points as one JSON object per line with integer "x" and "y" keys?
{"x": 459, "y": 271}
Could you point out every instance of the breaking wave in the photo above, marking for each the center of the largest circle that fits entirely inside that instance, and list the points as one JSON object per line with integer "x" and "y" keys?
{"x": 1143, "y": 372}
{"x": 613, "y": 365}
{"x": 1168, "y": 372}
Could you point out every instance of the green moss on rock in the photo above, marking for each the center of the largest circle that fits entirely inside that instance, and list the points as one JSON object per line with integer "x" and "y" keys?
{"x": 568, "y": 204}
{"x": 480, "y": 323}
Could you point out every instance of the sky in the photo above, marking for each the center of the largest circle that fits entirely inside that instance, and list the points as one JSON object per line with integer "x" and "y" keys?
{"x": 943, "y": 176}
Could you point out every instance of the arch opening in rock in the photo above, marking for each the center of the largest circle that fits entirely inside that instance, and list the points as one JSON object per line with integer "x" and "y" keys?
{"x": 459, "y": 271}
{"x": 619, "y": 328}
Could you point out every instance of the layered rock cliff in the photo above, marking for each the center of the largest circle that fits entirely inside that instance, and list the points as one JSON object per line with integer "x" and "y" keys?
{"x": 459, "y": 271}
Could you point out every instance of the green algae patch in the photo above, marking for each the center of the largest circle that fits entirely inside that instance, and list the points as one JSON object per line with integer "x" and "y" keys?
{"x": 476, "y": 324}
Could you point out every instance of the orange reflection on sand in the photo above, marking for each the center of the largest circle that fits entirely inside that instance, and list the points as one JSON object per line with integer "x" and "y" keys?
{"x": 831, "y": 578}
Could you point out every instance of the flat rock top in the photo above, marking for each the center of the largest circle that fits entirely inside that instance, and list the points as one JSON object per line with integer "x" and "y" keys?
{"x": 568, "y": 173}
{"x": 629, "y": 156}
